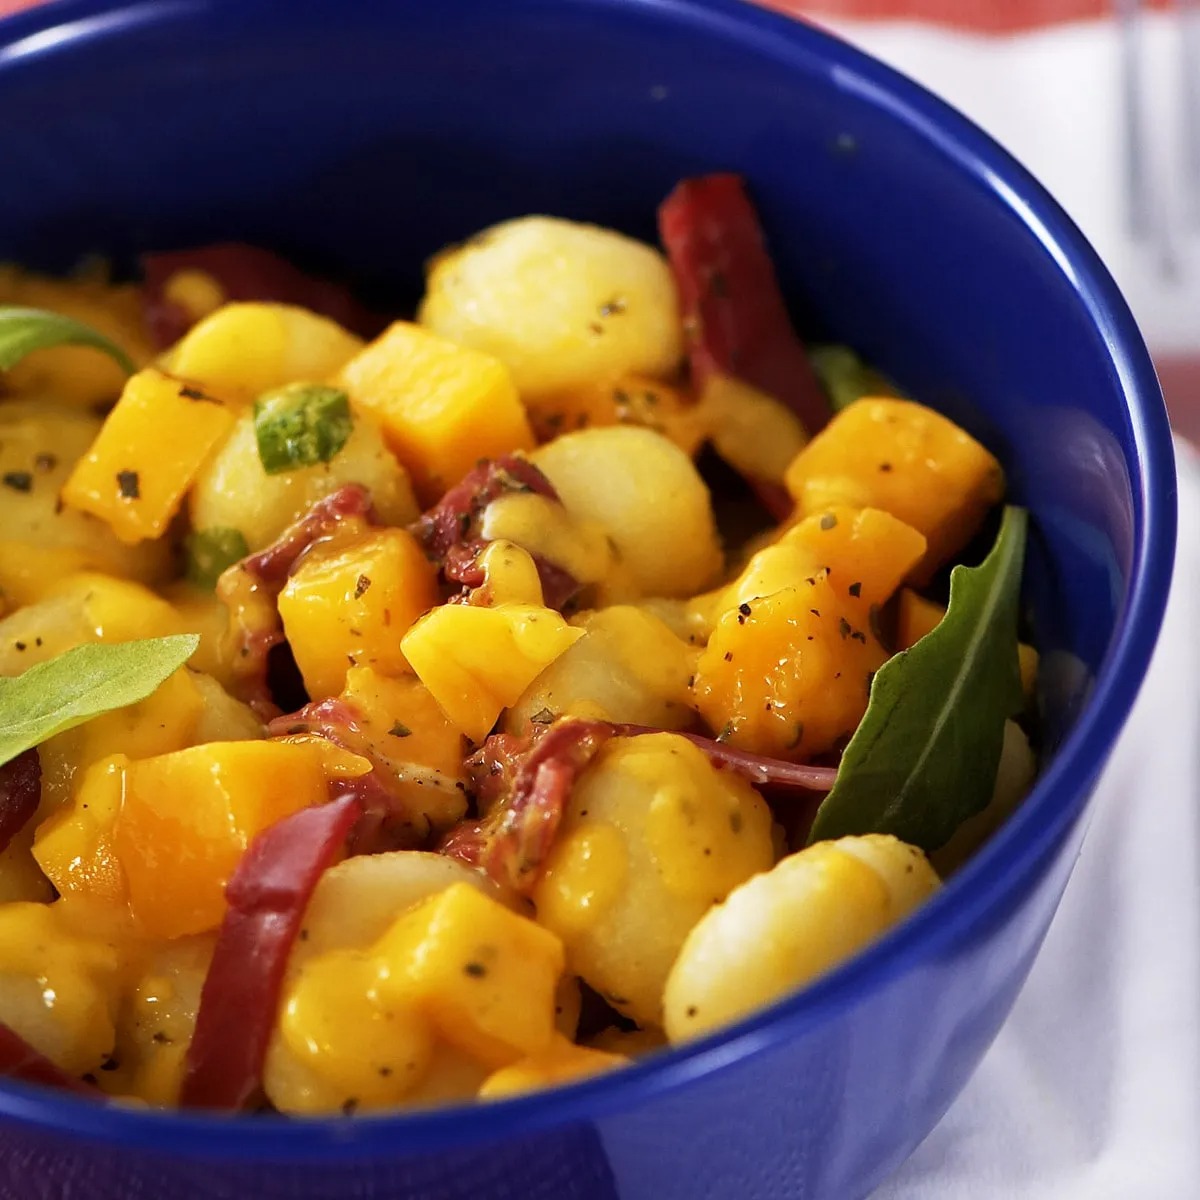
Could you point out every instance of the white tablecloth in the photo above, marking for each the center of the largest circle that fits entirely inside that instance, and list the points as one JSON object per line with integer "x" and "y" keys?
{"x": 1092, "y": 1090}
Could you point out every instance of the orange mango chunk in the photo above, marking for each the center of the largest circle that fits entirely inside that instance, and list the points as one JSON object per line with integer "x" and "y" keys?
{"x": 484, "y": 975}
{"x": 906, "y": 459}
{"x": 187, "y": 818}
{"x": 477, "y": 661}
{"x": 442, "y": 406}
{"x": 350, "y": 604}
{"x": 147, "y": 454}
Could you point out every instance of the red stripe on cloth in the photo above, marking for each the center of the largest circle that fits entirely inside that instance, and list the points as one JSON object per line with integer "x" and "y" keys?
{"x": 973, "y": 16}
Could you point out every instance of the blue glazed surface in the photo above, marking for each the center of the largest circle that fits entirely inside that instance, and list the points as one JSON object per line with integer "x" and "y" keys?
{"x": 363, "y": 137}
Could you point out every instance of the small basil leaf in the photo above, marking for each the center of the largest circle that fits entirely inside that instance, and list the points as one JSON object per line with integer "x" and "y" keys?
{"x": 846, "y": 378}
{"x": 301, "y": 425}
{"x": 82, "y": 683}
{"x": 210, "y": 551}
{"x": 24, "y": 330}
{"x": 925, "y": 755}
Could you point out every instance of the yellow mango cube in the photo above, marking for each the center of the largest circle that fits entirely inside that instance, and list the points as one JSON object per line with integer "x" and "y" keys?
{"x": 245, "y": 349}
{"x": 402, "y": 716}
{"x": 788, "y": 674}
{"x": 147, "y": 454}
{"x": 351, "y": 603}
{"x": 485, "y": 976}
{"x": 74, "y": 845}
{"x": 478, "y": 661}
{"x": 188, "y": 817}
{"x": 906, "y": 459}
{"x": 562, "y": 1062}
{"x": 443, "y": 407}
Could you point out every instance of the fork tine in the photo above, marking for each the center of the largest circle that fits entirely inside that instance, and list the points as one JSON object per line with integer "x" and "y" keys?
{"x": 1139, "y": 209}
{"x": 1189, "y": 55}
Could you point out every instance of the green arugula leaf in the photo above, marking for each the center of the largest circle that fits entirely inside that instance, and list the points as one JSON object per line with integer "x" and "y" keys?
{"x": 846, "y": 378}
{"x": 79, "y": 684}
{"x": 24, "y": 330}
{"x": 925, "y": 755}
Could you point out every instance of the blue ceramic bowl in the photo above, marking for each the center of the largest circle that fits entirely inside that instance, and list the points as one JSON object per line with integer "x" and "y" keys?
{"x": 363, "y": 136}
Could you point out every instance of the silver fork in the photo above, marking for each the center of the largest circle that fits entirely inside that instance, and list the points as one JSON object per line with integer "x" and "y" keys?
{"x": 1147, "y": 213}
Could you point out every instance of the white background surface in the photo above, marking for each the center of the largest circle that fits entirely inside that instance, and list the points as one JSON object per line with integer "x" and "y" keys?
{"x": 1054, "y": 97}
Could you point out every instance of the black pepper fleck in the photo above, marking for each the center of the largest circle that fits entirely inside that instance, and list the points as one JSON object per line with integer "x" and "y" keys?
{"x": 475, "y": 969}
{"x": 855, "y": 590}
{"x": 129, "y": 485}
{"x": 360, "y": 588}
{"x": 399, "y": 729}
{"x": 19, "y": 481}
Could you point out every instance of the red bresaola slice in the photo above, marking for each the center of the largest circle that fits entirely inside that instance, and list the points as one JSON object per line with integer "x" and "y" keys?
{"x": 20, "y": 794}
{"x": 732, "y": 307}
{"x": 267, "y": 895}
{"x": 512, "y": 840}
{"x": 388, "y": 821}
{"x": 449, "y": 532}
{"x": 20, "y": 1061}
{"x": 249, "y": 589}
{"x": 756, "y": 768}
{"x": 245, "y": 273}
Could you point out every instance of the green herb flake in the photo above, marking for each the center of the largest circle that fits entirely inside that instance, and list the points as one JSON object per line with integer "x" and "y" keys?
{"x": 211, "y": 551}
{"x": 82, "y": 683}
{"x": 924, "y": 757}
{"x": 301, "y": 425}
{"x": 24, "y": 330}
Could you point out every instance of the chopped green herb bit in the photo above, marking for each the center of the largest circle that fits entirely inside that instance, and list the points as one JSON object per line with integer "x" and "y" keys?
{"x": 846, "y": 378}
{"x": 210, "y": 551}
{"x": 301, "y": 425}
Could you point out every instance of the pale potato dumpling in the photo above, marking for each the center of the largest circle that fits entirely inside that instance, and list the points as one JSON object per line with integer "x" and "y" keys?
{"x": 627, "y": 667}
{"x": 355, "y": 902}
{"x": 59, "y": 979}
{"x": 39, "y": 446}
{"x": 246, "y": 348}
{"x": 647, "y": 495}
{"x": 353, "y": 905}
{"x": 234, "y": 492}
{"x": 652, "y": 836}
{"x": 1014, "y": 778}
{"x": 156, "y": 1020}
{"x": 782, "y": 929}
{"x": 561, "y": 304}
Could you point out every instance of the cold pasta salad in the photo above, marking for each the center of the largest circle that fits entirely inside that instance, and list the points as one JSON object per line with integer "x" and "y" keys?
{"x": 397, "y": 712}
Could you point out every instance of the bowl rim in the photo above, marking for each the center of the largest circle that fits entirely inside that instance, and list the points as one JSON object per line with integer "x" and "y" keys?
{"x": 1020, "y": 848}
